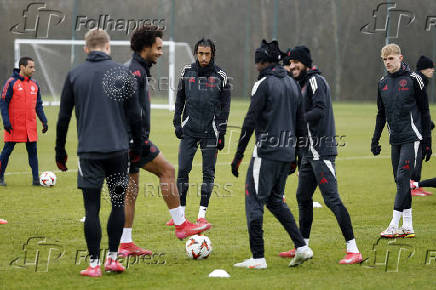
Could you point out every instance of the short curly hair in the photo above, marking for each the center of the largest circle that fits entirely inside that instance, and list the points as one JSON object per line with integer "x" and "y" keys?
{"x": 144, "y": 36}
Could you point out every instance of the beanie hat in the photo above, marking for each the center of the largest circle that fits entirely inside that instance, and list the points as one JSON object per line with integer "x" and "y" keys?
{"x": 268, "y": 52}
{"x": 302, "y": 54}
{"x": 424, "y": 63}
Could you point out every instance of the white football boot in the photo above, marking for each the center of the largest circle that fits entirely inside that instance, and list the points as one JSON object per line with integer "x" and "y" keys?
{"x": 252, "y": 264}
{"x": 302, "y": 254}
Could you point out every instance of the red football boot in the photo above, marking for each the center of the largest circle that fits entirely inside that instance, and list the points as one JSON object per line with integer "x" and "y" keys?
{"x": 130, "y": 249}
{"x": 351, "y": 258}
{"x": 188, "y": 229}
{"x": 91, "y": 271}
{"x": 203, "y": 221}
{"x": 113, "y": 266}
{"x": 288, "y": 254}
{"x": 3, "y": 222}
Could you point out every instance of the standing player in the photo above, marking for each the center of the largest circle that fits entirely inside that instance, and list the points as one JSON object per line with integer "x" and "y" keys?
{"x": 402, "y": 103}
{"x": 204, "y": 99}
{"x": 102, "y": 108}
{"x": 146, "y": 42}
{"x": 318, "y": 163}
{"x": 275, "y": 113}
{"x": 20, "y": 104}
{"x": 425, "y": 69}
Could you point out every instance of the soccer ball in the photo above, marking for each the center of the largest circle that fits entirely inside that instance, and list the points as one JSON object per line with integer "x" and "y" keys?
{"x": 47, "y": 179}
{"x": 198, "y": 247}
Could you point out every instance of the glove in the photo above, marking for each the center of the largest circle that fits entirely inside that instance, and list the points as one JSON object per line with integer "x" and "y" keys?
{"x": 293, "y": 167}
{"x": 179, "y": 132}
{"x": 8, "y": 127}
{"x": 61, "y": 159}
{"x": 426, "y": 149}
{"x": 44, "y": 128}
{"x": 431, "y": 125}
{"x": 375, "y": 147}
{"x": 220, "y": 144}
{"x": 236, "y": 162}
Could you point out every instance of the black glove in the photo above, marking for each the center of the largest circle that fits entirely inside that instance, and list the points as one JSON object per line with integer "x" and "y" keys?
{"x": 61, "y": 159}
{"x": 293, "y": 167}
{"x": 179, "y": 132}
{"x": 44, "y": 128}
{"x": 426, "y": 148}
{"x": 431, "y": 125}
{"x": 375, "y": 147}
{"x": 8, "y": 127}
{"x": 236, "y": 162}
{"x": 220, "y": 143}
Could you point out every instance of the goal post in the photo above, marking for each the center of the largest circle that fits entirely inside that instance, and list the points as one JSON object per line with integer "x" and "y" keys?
{"x": 53, "y": 63}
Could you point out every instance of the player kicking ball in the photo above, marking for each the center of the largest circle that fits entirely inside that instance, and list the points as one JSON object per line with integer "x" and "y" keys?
{"x": 402, "y": 102}
{"x": 276, "y": 108}
{"x": 146, "y": 43}
{"x": 317, "y": 167}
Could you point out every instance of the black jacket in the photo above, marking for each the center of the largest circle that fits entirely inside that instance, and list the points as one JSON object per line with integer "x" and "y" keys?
{"x": 403, "y": 103}
{"x": 141, "y": 70}
{"x": 276, "y": 115}
{"x": 204, "y": 98}
{"x": 103, "y": 110}
{"x": 320, "y": 120}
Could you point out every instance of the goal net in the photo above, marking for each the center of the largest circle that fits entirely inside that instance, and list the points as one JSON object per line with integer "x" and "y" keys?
{"x": 54, "y": 58}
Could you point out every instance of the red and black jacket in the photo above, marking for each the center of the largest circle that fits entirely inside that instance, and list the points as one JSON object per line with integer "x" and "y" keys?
{"x": 20, "y": 104}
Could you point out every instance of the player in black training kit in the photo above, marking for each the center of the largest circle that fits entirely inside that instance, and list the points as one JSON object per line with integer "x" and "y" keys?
{"x": 203, "y": 97}
{"x": 276, "y": 116}
{"x": 319, "y": 152}
{"x": 102, "y": 110}
{"x": 425, "y": 69}
{"x": 147, "y": 44}
{"x": 403, "y": 103}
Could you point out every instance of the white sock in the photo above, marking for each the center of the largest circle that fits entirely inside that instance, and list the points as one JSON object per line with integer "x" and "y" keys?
{"x": 183, "y": 208}
{"x": 260, "y": 260}
{"x": 178, "y": 215}
{"x": 202, "y": 212}
{"x": 416, "y": 184}
{"x": 352, "y": 246}
{"x": 407, "y": 218}
{"x": 303, "y": 248}
{"x": 126, "y": 237}
{"x": 113, "y": 255}
{"x": 396, "y": 215}
{"x": 306, "y": 241}
{"x": 94, "y": 262}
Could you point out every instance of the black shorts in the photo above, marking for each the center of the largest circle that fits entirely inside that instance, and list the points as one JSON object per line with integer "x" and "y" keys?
{"x": 145, "y": 158}
{"x": 93, "y": 172}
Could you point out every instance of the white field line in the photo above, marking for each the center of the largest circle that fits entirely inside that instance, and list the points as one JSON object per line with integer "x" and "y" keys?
{"x": 74, "y": 170}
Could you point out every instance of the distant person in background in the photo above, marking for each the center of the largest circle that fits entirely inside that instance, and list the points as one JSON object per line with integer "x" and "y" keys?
{"x": 425, "y": 69}
{"x": 20, "y": 104}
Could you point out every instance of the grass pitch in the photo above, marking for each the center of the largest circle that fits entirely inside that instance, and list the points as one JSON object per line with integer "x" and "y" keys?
{"x": 41, "y": 219}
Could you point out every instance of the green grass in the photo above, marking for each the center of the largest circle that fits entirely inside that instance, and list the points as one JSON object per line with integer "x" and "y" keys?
{"x": 366, "y": 186}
